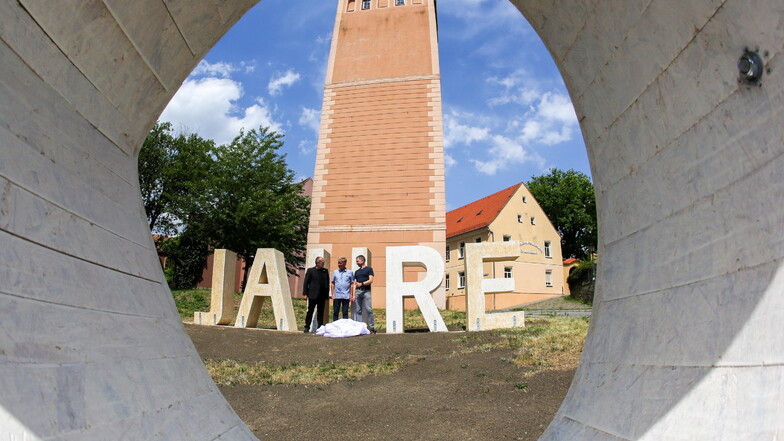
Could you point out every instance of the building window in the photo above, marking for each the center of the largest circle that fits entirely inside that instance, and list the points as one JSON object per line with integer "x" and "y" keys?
{"x": 548, "y": 278}
{"x": 446, "y": 282}
{"x": 524, "y": 200}
{"x": 400, "y": 2}
{"x": 365, "y": 4}
{"x": 461, "y": 280}
{"x": 520, "y": 218}
{"x": 533, "y": 220}
{"x": 351, "y": 5}
{"x": 507, "y": 238}
{"x": 478, "y": 240}
{"x": 447, "y": 254}
{"x": 507, "y": 272}
{"x": 461, "y": 251}
{"x": 547, "y": 250}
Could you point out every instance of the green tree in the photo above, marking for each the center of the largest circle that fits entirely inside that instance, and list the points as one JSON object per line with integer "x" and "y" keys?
{"x": 172, "y": 169}
{"x": 568, "y": 199}
{"x": 189, "y": 254}
{"x": 251, "y": 200}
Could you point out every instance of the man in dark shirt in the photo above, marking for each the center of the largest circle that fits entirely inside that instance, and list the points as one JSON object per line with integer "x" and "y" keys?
{"x": 315, "y": 288}
{"x": 363, "y": 304}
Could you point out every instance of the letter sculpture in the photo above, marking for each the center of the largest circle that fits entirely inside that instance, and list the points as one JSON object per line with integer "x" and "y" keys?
{"x": 477, "y": 286}
{"x": 267, "y": 279}
{"x": 221, "y": 307}
{"x": 399, "y": 258}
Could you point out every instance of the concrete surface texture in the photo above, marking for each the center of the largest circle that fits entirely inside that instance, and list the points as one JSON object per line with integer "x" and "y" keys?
{"x": 685, "y": 340}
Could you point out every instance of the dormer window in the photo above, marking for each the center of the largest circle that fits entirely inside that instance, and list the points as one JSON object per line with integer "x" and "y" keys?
{"x": 459, "y": 220}
{"x": 479, "y": 212}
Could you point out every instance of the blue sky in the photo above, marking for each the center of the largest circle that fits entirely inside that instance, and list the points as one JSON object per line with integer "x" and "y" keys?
{"x": 507, "y": 115}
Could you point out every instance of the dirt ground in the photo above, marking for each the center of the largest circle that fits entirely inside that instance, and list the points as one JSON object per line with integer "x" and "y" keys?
{"x": 443, "y": 393}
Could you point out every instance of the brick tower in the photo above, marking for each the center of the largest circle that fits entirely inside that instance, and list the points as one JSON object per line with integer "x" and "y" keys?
{"x": 379, "y": 176}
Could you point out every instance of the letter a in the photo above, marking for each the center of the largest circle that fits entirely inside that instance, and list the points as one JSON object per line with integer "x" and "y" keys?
{"x": 267, "y": 279}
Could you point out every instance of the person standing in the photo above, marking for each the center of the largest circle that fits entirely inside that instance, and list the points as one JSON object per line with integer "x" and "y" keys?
{"x": 342, "y": 289}
{"x": 316, "y": 289}
{"x": 363, "y": 304}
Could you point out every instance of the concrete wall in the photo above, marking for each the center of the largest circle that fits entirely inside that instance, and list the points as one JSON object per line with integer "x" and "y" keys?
{"x": 685, "y": 341}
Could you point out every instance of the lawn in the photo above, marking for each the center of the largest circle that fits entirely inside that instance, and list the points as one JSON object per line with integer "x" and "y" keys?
{"x": 543, "y": 344}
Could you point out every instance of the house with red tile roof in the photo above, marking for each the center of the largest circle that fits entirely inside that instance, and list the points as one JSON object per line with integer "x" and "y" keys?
{"x": 511, "y": 214}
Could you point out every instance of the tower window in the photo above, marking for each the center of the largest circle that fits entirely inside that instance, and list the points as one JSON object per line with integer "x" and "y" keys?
{"x": 400, "y": 2}
{"x": 365, "y": 4}
{"x": 352, "y": 4}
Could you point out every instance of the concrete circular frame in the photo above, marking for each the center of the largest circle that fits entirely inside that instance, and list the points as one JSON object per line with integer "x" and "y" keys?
{"x": 685, "y": 341}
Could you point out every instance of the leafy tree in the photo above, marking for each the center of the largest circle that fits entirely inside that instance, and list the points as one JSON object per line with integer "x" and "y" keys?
{"x": 171, "y": 170}
{"x": 189, "y": 254}
{"x": 251, "y": 200}
{"x": 568, "y": 199}
{"x": 240, "y": 196}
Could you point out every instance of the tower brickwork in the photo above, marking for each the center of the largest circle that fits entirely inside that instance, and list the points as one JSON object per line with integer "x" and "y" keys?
{"x": 379, "y": 175}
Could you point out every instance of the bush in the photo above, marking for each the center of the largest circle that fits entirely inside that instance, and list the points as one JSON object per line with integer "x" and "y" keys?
{"x": 582, "y": 281}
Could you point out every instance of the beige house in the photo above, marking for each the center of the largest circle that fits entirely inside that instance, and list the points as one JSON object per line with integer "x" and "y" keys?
{"x": 514, "y": 215}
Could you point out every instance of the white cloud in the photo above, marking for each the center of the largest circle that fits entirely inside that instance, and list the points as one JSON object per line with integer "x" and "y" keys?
{"x": 557, "y": 107}
{"x": 449, "y": 162}
{"x": 286, "y": 79}
{"x": 310, "y": 118}
{"x": 456, "y": 133}
{"x": 306, "y": 147}
{"x": 504, "y": 153}
{"x": 552, "y": 120}
{"x": 207, "y": 106}
{"x": 480, "y": 15}
{"x": 219, "y": 69}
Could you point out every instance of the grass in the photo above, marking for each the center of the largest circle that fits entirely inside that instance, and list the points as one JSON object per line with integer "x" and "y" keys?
{"x": 193, "y": 300}
{"x": 232, "y": 372}
{"x": 556, "y": 303}
{"x": 547, "y": 344}
{"x": 543, "y": 344}
{"x": 553, "y": 343}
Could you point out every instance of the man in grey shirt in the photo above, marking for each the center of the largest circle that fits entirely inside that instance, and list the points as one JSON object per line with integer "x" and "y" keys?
{"x": 363, "y": 305}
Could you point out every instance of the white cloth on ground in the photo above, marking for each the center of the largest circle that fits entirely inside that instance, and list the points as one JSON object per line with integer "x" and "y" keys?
{"x": 343, "y": 328}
